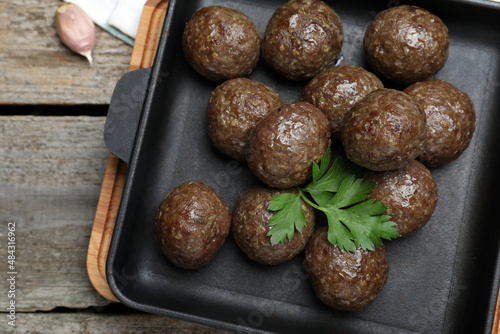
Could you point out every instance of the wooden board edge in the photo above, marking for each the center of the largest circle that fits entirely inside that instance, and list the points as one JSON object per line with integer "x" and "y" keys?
{"x": 496, "y": 320}
{"x": 93, "y": 271}
{"x": 112, "y": 212}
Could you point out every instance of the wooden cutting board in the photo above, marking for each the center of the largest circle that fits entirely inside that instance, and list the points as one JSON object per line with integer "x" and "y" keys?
{"x": 143, "y": 54}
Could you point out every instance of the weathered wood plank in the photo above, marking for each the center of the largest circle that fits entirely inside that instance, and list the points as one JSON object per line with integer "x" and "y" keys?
{"x": 51, "y": 170}
{"x": 36, "y": 68}
{"x": 63, "y": 323}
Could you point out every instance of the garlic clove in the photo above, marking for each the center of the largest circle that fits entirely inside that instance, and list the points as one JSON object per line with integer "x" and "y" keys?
{"x": 88, "y": 55}
{"x": 76, "y": 29}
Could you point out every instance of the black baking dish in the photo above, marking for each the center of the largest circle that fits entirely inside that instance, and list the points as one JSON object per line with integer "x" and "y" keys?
{"x": 444, "y": 279}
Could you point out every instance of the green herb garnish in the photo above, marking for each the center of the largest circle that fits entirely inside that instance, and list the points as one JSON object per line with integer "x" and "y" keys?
{"x": 353, "y": 221}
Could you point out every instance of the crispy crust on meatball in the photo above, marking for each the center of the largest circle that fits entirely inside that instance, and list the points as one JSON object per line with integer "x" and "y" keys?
{"x": 451, "y": 120}
{"x": 191, "y": 224}
{"x": 410, "y": 195}
{"x": 234, "y": 108}
{"x": 221, "y": 43}
{"x": 341, "y": 279}
{"x": 406, "y": 44}
{"x": 336, "y": 90}
{"x": 302, "y": 38}
{"x": 384, "y": 131}
{"x": 285, "y": 143}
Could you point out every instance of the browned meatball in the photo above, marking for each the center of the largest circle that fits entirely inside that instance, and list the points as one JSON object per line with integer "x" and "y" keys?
{"x": 285, "y": 143}
{"x": 410, "y": 194}
{"x": 384, "y": 131}
{"x": 345, "y": 280}
{"x": 221, "y": 43}
{"x": 336, "y": 90}
{"x": 406, "y": 44}
{"x": 250, "y": 227}
{"x": 451, "y": 120}
{"x": 302, "y": 38}
{"x": 191, "y": 224}
{"x": 234, "y": 108}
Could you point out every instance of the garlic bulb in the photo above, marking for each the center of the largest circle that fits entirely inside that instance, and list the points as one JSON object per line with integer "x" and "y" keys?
{"x": 76, "y": 29}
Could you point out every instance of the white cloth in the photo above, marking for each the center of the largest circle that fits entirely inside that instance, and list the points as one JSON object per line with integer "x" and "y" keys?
{"x": 126, "y": 16}
{"x": 119, "y": 17}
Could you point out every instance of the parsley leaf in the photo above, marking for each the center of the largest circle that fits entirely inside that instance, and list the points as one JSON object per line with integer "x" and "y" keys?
{"x": 319, "y": 170}
{"x": 353, "y": 221}
{"x": 289, "y": 217}
{"x": 361, "y": 225}
{"x": 328, "y": 182}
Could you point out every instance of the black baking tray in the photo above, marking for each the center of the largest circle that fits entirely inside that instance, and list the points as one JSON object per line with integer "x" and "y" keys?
{"x": 443, "y": 279}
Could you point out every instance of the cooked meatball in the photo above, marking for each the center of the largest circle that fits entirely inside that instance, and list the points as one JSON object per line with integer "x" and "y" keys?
{"x": 410, "y": 194}
{"x": 191, "y": 224}
{"x": 336, "y": 90}
{"x": 406, "y": 44}
{"x": 302, "y": 38}
{"x": 250, "y": 227}
{"x": 384, "y": 131}
{"x": 451, "y": 120}
{"x": 341, "y": 279}
{"x": 284, "y": 144}
{"x": 221, "y": 43}
{"x": 235, "y": 106}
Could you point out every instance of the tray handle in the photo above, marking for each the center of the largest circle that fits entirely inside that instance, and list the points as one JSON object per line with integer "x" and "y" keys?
{"x": 125, "y": 111}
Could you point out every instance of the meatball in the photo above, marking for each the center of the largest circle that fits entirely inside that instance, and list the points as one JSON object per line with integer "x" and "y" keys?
{"x": 221, "y": 43}
{"x": 250, "y": 227}
{"x": 341, "y": 279}
{"x": 406, "y": 44}
{"x": 191, "y": 224}
{"x": 451, "y": 120}
{"x": 410, "y": 195}
{"x": 302, "y": 38}
{"x": 337, "y": 89}
{"x": 384, "y": 131}
{"x": 284, "y": 144}
{"x": 234, "y": 108}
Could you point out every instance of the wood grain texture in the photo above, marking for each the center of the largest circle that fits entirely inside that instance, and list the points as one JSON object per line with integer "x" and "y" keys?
{"x": 148, "y": 34}
{"x": 50, "y": 176}
{"x": 104, "y": 221}
{"x": 91, "y": 321}
{"x": 36, "y": 68}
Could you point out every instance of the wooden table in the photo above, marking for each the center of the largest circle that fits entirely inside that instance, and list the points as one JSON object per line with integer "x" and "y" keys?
{"x": 52, "y": 162}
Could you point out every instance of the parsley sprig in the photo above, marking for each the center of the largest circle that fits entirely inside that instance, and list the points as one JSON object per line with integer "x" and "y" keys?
{"x": 339, "y": 192}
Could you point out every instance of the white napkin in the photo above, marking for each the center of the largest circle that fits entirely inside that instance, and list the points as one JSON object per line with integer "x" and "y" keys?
{"x": 119, "y": 17}
{"x": 126, "y": 16}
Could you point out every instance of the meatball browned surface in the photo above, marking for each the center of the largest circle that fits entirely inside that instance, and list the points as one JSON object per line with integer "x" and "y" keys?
{"x": 234, "y": 108}
{"x": 221, "y": 43}
{"x": 250, "y": 227}
{"x": 336, "y": 90}
{"x": 191, "y": 224}
{"x": 302, "y": 38}
{"x": 406, "y": 44}
{"x": 341, "y": 279}
{"x": 410, "y": 195}
{"x": 384, "y": 131}
{"x": 285, "y": 143}
{"x": 451, "y": 120}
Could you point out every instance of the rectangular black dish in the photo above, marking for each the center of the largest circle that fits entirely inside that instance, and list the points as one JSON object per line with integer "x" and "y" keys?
{"x": 443, "y": 279}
